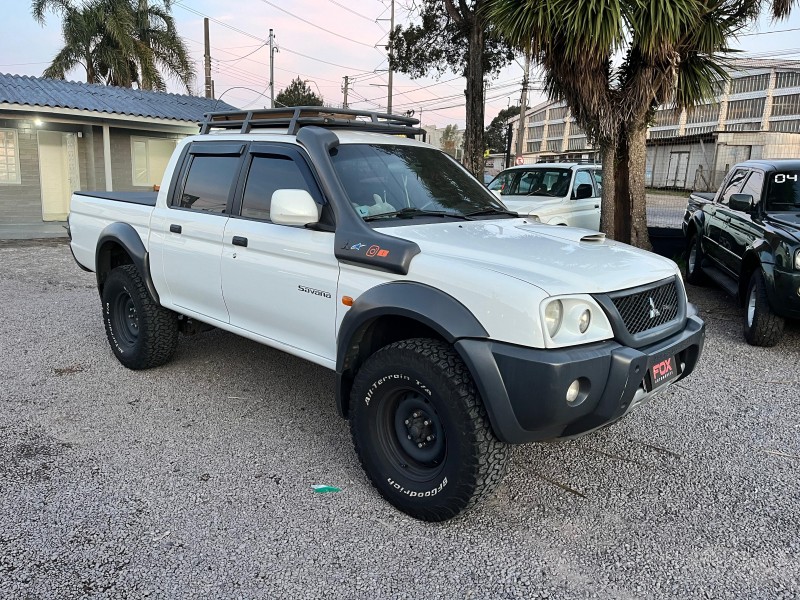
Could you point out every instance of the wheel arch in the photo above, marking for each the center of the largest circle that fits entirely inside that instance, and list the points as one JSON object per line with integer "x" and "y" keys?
{"x": 392, "y": 312}
{"x": 758, "y": 256}
{"x": 120, "y": 244}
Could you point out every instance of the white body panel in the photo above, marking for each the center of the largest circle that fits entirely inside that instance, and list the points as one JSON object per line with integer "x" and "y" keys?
{"x": 584, "y": 212}
{"x": 285, "y": 288}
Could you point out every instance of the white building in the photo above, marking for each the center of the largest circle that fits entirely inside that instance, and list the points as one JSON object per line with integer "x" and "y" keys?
{"x": 755, "y": 115}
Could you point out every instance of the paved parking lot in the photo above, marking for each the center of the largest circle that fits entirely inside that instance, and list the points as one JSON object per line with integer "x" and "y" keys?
{"x": 193, "y": 480}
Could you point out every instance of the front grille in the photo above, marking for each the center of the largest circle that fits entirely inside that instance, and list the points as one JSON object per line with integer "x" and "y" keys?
{"x": 648, "y": 309}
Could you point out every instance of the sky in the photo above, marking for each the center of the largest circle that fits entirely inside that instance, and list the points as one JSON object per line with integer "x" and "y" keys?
{"x": 320, "y": 41}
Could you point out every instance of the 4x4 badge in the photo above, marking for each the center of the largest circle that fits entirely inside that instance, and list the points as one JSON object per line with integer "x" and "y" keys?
{"x": 654, "y": 312}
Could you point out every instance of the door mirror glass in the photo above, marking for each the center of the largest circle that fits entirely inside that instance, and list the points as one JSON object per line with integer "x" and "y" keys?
{"x": 294, "y": 207}
{"x": 584, "y": 190}
{"x": 742, "y": 202}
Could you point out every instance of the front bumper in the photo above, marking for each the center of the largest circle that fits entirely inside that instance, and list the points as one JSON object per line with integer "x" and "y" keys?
{"x": 524, "y": 389}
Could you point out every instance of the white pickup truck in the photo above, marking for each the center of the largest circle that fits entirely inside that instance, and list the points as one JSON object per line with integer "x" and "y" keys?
{"x": 553, "y": 193}
{"x": 455, "y": 327}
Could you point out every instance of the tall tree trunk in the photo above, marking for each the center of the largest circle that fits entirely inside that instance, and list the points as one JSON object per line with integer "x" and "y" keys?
{"x": 473, "y": 135}
{"x": 637, "y": 163}
{"x": 622, "y": 196}
{"x": 608, "y": 205}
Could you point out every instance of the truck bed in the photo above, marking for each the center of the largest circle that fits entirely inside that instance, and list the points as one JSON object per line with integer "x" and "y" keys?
{"x": 145, "y": 198}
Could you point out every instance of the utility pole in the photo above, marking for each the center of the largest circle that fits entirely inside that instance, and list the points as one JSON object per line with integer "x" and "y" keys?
{"x": 271, "y": 69}
{"x": 523, "y": 103}
{"x": 209, "y": 91}
{"x": 389, "y": 47}
{"x": 344, "y": 89}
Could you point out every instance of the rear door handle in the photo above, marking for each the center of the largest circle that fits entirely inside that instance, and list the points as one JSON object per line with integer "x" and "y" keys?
{"x": 239, "y": 241}
{"x": 175, "y": 228}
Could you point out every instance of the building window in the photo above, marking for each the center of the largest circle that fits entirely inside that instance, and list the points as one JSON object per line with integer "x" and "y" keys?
{"x": 538, "y": 117}
{"x": 577, "y": 143}
{"x": 701, "y": 129}
{"x": 787, "y": 79}
{"x": 9, "y": 157}
{"x": 666, "y": 116}
{"x": 663, "y": 133}
{"x": 533, "y": 146}
{"x": 790, "y": 126}
{"x": 783, "y": 106}
{"x": 745, "y": 109}
{"x": 149, "y": 159}
{"x": 576, "y": 130}
{"x": 753, "y": 83}
{"x": 536, "y": 132}
{"x": 749, "y": 126}
{"x": 558, "y": 113}
{"x": 554, "y": 146}
{"x": 703, "y": 113}
{"x": 555, "y": 131}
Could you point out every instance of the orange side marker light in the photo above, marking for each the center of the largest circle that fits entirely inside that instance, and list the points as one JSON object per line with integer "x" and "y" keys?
{"x": 347, "y": 301}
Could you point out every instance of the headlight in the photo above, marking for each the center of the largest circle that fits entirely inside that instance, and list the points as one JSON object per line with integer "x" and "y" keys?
{"x": 552, "y": 317}
{"x": 570, "y": 320}
{"x": 797, "y": 260}
{"x": 534, "y": 218}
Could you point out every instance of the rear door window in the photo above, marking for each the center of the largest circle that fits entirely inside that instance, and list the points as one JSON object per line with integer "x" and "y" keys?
{"x": 210, "y": 177}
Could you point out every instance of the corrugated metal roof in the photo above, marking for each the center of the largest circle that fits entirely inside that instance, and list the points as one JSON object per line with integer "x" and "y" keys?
{"x": 55, "y": 93}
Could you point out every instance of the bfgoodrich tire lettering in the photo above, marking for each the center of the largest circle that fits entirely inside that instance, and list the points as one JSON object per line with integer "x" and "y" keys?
{"x": 421, "y": 431}
{"x": 762, "y": 327}
{"x": 142, "y": 334}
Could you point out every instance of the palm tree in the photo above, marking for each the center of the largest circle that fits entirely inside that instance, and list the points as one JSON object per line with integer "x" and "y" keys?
{"x": 614, "y": 62}
{"x": 118, "y": 42}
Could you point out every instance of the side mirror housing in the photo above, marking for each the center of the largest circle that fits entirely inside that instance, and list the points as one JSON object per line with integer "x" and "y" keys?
{"x": 741, "y": 202}
{"x": 584, "y": 191}
{"x": 293, "y": 207}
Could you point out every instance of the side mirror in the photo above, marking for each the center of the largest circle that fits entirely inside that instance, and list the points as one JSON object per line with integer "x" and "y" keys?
{"x": 741, "y": 202}
{"x": 584, "y": 191}
{"x": 293, "y": 207}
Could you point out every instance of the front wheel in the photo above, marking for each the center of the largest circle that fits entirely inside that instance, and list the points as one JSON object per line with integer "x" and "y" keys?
{"x": 694, "y": 257}
{"x": 142, "y": 334}
{"x": 421, "y": 431}
{"x": 762, "y": 327}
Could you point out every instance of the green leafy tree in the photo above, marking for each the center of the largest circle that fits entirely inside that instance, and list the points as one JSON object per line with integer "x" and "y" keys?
{"x": 297, "y": 93}
{"x": 614, "y": 62}
{"x": 118, "y": 42}
{"x": 450, "y": 139}
{"x": 454, "y": 35}
{"x": 497, "y": 132}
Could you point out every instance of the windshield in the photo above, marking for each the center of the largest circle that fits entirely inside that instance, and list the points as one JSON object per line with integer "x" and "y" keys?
{"x": 533, "y": 182}
{"x": 385, "y": 181}
{"x": 784, "y": 191}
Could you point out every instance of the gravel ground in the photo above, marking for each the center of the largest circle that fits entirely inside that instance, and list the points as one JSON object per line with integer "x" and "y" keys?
{"x": 193, "y": 480}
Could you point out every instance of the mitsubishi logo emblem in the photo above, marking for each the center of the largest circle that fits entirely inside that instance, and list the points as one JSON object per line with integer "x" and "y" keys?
{"x": 654, "y": 312}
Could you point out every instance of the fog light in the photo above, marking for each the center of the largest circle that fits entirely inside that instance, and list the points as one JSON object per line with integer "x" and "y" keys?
{"x": 577, "y": 392}
{"x": 572, "y": 391}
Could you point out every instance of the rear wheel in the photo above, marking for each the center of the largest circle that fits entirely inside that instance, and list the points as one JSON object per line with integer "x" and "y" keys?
{"x": 421, "y": 431}
{"x": 762, "y": 327}
{"x": 142, "y": 334}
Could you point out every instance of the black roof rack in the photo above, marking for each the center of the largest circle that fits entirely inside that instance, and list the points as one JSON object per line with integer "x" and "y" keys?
{"x": 296, "y": 117}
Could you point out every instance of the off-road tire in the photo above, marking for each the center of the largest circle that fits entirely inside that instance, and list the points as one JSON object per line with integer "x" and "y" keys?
{"x": 424, "y": 382}
{"x": 762, "y": 327}
{"x": 694, "y": 258}
{"x": 141, "y": 333}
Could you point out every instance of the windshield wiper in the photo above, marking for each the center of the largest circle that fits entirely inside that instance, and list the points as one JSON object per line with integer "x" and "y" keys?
{"x": 410, "y": 212}
{"x": 492, "y": 211}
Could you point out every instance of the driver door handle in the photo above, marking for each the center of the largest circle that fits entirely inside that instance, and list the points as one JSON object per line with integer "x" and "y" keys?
{"x": 239, "y": 241}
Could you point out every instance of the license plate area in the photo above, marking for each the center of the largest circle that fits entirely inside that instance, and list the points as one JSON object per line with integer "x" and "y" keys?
{"x": 662, "y": 372}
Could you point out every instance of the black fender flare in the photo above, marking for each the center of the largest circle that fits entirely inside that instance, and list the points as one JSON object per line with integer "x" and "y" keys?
{"x": 124, "y": 235}
{"x": 431, "y": 307}
{"x": 696, "y": 222}
{"x": 760, "y": 255}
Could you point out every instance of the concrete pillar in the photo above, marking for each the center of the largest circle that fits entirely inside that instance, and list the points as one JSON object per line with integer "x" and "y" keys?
{"x": 107, "y": 157}
{"x": 773, "y": 76}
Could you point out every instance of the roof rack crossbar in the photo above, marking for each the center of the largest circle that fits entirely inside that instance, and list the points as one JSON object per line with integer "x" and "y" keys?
{"x": 300, "y": 116}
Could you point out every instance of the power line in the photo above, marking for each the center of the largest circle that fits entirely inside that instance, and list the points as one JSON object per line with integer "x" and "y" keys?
{"x": 306, "y": 21}
{"x": 350, "y": 10}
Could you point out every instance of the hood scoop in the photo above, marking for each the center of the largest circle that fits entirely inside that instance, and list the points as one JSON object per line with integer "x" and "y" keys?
{"x": 594, "y": 237}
